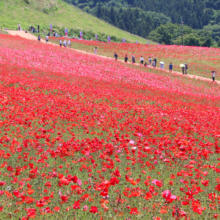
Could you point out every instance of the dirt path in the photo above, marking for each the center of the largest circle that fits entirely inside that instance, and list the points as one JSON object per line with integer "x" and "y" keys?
{"x": 32, "y": 37}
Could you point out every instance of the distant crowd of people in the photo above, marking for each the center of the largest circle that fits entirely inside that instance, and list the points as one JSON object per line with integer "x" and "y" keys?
{"x": 151, "y": 62}
{"x": 65, "y": 43}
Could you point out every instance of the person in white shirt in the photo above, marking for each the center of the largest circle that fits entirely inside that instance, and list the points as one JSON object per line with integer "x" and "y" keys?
{"x": 213, "y": 75}
{"x": 64, "y": 43}
{"x": 47, "y": 38}
{"x": 69, "y": 43}
{"x": 61, "y": 43}
{"x": 142, "y": 60}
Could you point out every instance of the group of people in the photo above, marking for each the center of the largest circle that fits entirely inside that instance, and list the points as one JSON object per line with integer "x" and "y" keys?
{"x": 151, "y": 61}
{"x": 65, "y": 43}
{"x": 185, "y": 68}
{"x": 32, "y": 29}
{"x": 46, "y": 38}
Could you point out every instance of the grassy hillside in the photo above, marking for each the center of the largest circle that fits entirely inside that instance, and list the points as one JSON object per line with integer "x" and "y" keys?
{"x": 56, "y": 12}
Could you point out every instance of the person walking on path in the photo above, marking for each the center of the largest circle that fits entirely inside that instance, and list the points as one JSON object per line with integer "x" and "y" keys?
{"x": 39, "y": 38}
{"x": 142, "y": 60}
{"x": 155, "y": 60}
{"x": 19, "y": 26}
{"x": 95, "y": 50}
{"x": 162, "y": 65}
{"x": 183, "y": 70}
{"x": 69, "y": 43}
{"x": 60, "y": 43}
{"x": 186, "y": 68}
{"x": 64, "y": 43}
{"x": 213, "y": 75}
{"x": 150, "y": 60}
{"x": 133, "y": 59}
{"x": 116, "y": 56}
{"x": 153, "y": 64}
{"x": 126, "y": 58}
{"x": 171, "y": 67}
{"x": 47, "y": 39}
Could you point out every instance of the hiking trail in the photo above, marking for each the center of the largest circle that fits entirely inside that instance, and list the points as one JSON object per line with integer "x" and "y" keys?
{"x": 30, "y": 36}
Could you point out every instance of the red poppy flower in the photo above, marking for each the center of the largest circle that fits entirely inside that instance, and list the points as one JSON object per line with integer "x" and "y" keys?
{"x": 134, "y": 211}
{"x": 93, "y": 209}
{"x": 76, "y": 205}
{"x": 218, "y": 187}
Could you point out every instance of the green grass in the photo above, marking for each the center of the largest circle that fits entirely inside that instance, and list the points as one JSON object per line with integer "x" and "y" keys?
{"x": 58, "y": 13}
{"x": 3, "y": 31}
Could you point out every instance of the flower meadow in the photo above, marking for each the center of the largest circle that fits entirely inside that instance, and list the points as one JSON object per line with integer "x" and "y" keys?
{"x": 201, "y": 60}
{"x": 83, "y": 137}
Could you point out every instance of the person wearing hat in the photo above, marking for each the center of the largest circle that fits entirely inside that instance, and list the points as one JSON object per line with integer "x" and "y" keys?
{"x": 162, "y": 65}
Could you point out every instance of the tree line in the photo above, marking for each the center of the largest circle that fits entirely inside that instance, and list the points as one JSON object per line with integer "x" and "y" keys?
{"x": 143, "y": 17}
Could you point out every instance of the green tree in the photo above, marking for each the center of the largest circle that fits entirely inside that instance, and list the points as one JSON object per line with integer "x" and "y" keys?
{"x": 191, "y": 40}
{"x": 121, "y": 25}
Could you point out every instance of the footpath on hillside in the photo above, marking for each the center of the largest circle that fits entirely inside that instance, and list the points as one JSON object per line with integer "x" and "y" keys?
{"x": 30, "y": 36}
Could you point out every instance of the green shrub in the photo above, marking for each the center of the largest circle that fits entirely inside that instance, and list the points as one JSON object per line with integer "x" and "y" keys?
{"x": 46, "y": 11}
{"x": 27, "y": 2}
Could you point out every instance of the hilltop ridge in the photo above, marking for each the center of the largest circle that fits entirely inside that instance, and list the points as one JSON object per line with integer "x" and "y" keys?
{"x": 58, "y": 13}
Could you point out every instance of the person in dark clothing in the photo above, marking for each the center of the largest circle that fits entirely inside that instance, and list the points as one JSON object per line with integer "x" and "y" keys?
{"x": 126, "y": 58}
{"x": 183, "y": 70}
{"x": 145, "y": 64}
{"x": 155, "y": 60}
{"x": 39, "y": 38}
{"x": 133, "y": 59}
{"x": 171, "y": 67}
{"x": 186, "y": 68}
{"x": 38, "y": 28}
{"x": 116, "y": 56}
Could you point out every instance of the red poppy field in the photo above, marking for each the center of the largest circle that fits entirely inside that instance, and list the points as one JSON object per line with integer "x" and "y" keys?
{"x": 201, "y": 60}
{"x": 83, "y": 137}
